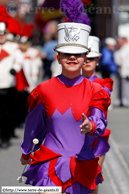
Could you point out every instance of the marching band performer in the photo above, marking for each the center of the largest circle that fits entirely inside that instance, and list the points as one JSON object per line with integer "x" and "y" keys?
{"x": 28, "y": 78}
{"x": 65, "y": 112}
{"x": 99, "y": 145}
{"x": 10, "y": 64}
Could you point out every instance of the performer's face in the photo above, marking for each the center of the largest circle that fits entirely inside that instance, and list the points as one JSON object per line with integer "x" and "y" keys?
{"x": 71, "y": 63}
{"x": 88, "y": 69}
{"x": 23, "y": 46}
{"x": 2, "y": 38}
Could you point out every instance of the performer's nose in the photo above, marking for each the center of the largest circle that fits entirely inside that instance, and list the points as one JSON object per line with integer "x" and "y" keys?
{"x": 72, "y": 57}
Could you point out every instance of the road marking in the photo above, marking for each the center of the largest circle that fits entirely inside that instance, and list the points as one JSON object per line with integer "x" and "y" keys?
{"x": 111, "y": 180}
{"x": 117, "y": 169}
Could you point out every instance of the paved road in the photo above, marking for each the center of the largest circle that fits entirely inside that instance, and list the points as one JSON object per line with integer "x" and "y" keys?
{"x": 116, "y": 165}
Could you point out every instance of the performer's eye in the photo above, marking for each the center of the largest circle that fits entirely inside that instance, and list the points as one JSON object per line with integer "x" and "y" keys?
{"x": 67, "y": 54}
{"x": 77, "y": 55}
{"x": 91, "y": 59}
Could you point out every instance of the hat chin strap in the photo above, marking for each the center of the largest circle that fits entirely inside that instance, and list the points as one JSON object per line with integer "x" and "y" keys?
{"x": 70, "y": 44}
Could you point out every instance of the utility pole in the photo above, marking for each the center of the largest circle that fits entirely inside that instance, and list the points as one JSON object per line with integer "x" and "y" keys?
{"x": 30, "y": 16}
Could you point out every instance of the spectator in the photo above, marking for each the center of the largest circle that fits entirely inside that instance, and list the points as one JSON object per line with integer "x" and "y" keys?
{"x": 47, "y": 54}
{"x": 99, "y": 145}
{"x": 121, "y": 57}
{"x": 56, "y": 67}
{"x": 108, "y": 66}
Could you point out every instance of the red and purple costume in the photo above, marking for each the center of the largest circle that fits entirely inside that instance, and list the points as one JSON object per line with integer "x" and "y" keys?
{"x": 100, "y": 144}
{"x": 66, "y": 158}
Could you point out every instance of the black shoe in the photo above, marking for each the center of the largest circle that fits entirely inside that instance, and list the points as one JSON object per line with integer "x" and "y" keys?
{"x": 124, "y": 106}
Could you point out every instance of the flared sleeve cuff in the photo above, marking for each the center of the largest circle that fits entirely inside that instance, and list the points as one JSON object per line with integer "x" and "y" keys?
{"x": 99, "y": 122}
{"x": 93, "y": 128}
{"x": 26, "y": 157}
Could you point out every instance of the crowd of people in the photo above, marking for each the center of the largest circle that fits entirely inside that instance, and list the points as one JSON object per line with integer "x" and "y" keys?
{"x": 19, "y": 74}
{"x": 114, "y": 64}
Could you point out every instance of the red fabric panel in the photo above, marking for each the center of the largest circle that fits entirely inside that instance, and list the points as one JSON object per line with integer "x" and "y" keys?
{"x": 21, "y": 82}
{"x": 86, "y": 2}
{"x": 85, "y": 171}
{"x": 49, "y": 92}
{"x": 27, "y": 29}
{"x": 25, "y": 157}
{"x": 107, "y": 82}
{"x": 27, "y": 57}
{"x": 14, "y": 26}
{"x": 106, "y": 134}
{"x": 43, "y": 154}
{"x": 4, "y": 16}
{"x": 56, "y": 180}
{"x": 33, "y": 100}
{"x": 101, "y": 101}
{"x": 3, "y": 54}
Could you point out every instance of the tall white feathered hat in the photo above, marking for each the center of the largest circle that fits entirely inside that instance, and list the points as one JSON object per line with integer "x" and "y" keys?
{"x": 93, "y": 44}
{"x": 72, "y": 37}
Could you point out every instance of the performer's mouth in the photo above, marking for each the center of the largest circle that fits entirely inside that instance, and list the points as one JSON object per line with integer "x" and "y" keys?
{"x": 72, "y": 63}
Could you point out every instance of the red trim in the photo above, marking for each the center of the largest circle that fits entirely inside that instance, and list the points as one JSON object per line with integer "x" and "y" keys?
{"x": 43, "y": 154}
{"x": 21, "y": 81}
{"x": 3, "y": 54}
{"x": 85, "y": 171}
{"x": 33, "y": 100}
{"x": 101, "y": 177}
{"x": 107, "y": 82}
{"x": 100, "y": 98}
{"x": 86, "y": 2}
{"x": 27, "y": 57}
{"x": 25, "y": 157}
{"x": 106, "y": 134}
{"x": 93, "y": 128}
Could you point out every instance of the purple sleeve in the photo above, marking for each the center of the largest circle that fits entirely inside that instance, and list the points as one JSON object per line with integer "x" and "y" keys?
{"x": 98, "y": 117}
{"x": 35, "y": 128}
